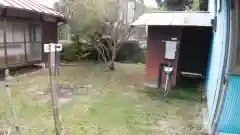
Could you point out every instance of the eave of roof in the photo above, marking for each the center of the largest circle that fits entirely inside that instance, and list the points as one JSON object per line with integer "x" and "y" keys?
{"x": 174, "y": 18}
{"x": 32, "y": 6}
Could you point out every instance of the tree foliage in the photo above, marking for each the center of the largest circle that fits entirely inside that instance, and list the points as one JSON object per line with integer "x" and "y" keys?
{"x": 82, "y": 13}
{"x": 193, "y": 5}
{"x": 190, "y": 5}
{"x": 110, "y": 34}
{"x": 159, "y": 2}
{"x": 163, "y": 7}
{"x": 102, "y": 23}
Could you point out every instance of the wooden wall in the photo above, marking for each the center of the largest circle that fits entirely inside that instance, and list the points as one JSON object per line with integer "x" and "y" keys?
{"x": 50, "y": 34}
{"x": 156, "y": 53}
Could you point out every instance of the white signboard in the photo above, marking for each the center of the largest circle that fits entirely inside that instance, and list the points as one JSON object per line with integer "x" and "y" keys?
{"x": 130, "y": 12}
{"x": 52, "y": 47}
{"x": 170, "y": 52}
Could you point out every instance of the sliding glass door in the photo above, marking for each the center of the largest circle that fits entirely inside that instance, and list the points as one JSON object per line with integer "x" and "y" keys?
{"x": 2, "y": 50}
{"x": 23, "y": 43}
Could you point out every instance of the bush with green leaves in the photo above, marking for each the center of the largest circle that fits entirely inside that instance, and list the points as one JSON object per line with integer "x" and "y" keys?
{"x": 140, "y": 56}
{"x": 75, "y": 51}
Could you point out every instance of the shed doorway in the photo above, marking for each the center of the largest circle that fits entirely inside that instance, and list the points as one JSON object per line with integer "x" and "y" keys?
{"x": 194, "y": 53}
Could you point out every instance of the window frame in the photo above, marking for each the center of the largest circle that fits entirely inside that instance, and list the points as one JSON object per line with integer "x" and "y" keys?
{"x": 33, "y": 40}
{"x": 2, "y": 45}
{"x": 26, "y": 32}
{"x": 235, "y": 67}
{"x": 219, "y": 5}
{"x": 13, "y": 33}
{"x": 33, "y": 34}
{"x": 14, "y": 44}
{"x": 2, "y": 26}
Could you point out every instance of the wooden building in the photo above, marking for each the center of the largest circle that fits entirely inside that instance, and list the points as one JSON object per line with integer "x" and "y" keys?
{"x": 192, "y": 33}
{"x": 222, "y": 77}
{"x": 25, "y": 25}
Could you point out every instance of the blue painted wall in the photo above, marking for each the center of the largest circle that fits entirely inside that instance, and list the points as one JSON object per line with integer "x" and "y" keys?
{"x": 230, "y": 116}
{"x": 216, "y": 57}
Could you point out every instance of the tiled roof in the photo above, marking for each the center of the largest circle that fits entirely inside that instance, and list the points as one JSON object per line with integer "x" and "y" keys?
{"x": 29, "y": 5}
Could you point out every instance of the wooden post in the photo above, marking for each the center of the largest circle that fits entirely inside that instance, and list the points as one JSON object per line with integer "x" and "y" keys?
{"x": 5, "y": 36}
{"x": 9, "y": 95}
{"x": 25, "y": 44}
{"x": 54, "y": 95}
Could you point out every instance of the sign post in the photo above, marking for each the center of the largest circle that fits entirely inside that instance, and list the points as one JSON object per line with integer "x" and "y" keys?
{"x": 53, "y": 64}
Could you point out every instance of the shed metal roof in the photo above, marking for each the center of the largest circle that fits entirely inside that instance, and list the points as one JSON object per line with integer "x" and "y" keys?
{"x": 181, "y": 18}
{"x": 29, "y": 5}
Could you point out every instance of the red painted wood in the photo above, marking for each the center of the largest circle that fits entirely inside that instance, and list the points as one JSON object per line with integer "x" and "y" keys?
{"x": 156, "y": 51}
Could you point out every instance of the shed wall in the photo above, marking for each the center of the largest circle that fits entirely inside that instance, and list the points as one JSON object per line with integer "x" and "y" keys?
{"x": 21, "y": 49}
{"x": 23, "y": 42}
{"x": 215, "y": 69}
{"x": 156, "y": 52}
{"x": 50, "y": 35}
{"x": 229, "y": 118}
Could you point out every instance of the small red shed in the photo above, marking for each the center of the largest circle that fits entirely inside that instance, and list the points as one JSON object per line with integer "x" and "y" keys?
{"x": 191, "y": 32}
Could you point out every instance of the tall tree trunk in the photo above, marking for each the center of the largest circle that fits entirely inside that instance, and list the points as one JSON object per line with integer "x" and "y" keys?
{"x": 114, "y": 55}
{"x": 114, "y": 48}
{"x": 112, "y": 66}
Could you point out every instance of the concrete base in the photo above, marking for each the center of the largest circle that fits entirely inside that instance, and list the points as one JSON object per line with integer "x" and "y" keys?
{"x": 151, "y": 84}
{"x": 163, "y": 86}
{"x": 226, "y": 134}
{"x": 42, "y": 65}
{"x": 219, "y": 134}
{"x": 207, "y": 129}
{"x": 206, "y": 123}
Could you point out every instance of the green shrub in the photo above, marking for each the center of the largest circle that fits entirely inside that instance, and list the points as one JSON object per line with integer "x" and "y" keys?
{"x": 131, "y": 52}
{"x": 140, "y": 56}
{"x": 75, "y": 51}
{"x": 65, "y": 42}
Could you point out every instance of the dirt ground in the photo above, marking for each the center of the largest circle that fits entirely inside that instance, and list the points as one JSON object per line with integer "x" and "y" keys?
{"x": 96, "y": 101}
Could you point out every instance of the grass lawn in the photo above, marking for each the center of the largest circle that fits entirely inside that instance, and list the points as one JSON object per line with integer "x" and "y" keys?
{"x": 116, "y": 103}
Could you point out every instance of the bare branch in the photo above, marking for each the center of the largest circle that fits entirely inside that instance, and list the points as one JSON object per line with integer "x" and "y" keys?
{"x": 109, "y": 35}
{"x": 125, "y": 38}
